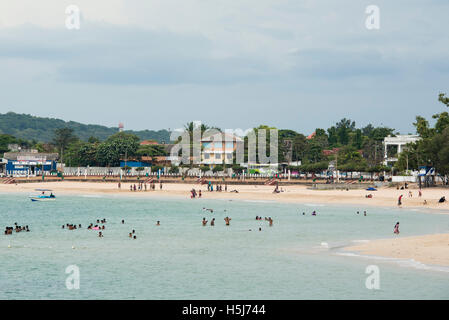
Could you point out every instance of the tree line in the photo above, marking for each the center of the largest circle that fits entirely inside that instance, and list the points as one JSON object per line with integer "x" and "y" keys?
{"x": 344, "y": 146}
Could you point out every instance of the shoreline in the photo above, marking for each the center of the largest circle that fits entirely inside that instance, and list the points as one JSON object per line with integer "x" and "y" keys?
{"x": 384, "y": 197}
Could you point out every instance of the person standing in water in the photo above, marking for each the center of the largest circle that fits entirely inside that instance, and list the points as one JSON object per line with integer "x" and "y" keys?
{"x": 396, "y": 228}
{"x": 212, "y": 222}
{"x": 227, "y": 220}
{"x": 204, "y": 222}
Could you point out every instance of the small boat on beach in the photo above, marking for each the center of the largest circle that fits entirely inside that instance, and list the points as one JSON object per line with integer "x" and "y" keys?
{"x": 42, "y": 196}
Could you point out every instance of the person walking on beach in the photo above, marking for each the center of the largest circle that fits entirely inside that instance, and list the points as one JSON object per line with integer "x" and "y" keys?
{"x": 400, "y": 200}
{"x": 199, "y": 193}
{"x": 119, "y": 185}
{"x": 396, "y": 228}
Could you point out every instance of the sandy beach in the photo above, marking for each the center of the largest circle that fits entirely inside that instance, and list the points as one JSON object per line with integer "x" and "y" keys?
{"x": 385, "y": 197}
{"x": 429, "y": 249}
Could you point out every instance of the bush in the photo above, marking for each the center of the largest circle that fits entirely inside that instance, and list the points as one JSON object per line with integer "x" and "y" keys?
{"x": 156, "y": 168}
{"x": 204, "y": 168}
{"x": 217, "y": 168}
{"x": 237, "y": 168}
{"x": 174, "y": 169}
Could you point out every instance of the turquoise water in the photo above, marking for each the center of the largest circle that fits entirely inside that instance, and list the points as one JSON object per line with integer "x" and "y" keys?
{"x": 181, "y": 259}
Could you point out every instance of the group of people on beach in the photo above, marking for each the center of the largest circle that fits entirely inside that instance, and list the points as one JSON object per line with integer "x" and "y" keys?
{"x": 16, "y": 228}
{"x": 142, "y": 186}
{"x": 193, "y": 194}
{"x": 410, "y": 195}
{"x": 218, "y": 187}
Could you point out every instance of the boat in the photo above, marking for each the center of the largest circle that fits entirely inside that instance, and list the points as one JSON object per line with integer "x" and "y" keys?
{"x": 42, "y": 196}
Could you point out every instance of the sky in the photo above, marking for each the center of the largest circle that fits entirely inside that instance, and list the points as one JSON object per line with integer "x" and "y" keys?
{"x": 158, "y": 64}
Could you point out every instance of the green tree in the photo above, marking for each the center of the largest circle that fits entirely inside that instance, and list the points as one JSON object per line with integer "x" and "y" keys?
{"x": 62, "y": 138}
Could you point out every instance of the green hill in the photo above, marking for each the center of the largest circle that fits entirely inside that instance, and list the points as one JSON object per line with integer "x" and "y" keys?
{"x": 29, "y": 127}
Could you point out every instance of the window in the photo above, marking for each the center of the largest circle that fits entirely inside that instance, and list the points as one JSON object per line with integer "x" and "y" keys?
{"x": 229, "y": 156}
{"x": 218, "y": 145}
{"x": 229, "y": 145}
{"x": 206, "y": 156}
{"x": 217, "y": 156}
{"x": 206, "y": 145}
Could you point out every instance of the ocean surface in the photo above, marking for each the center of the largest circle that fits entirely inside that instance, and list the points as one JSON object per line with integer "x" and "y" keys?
{"x": 299, "y": 257}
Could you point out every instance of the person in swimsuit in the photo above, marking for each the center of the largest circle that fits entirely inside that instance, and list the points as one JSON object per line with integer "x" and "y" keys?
{"x": 204, "y": 222}
{"x": 158, "y": 223}
{"x": 396, "y": 228}
{"x": 314, "y": 213}
{"x": 227, "y": 220}
{"x": 212, "y": 222}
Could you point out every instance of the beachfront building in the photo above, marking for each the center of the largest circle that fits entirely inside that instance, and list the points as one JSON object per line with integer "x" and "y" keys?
{"x": 29, "y": 163}
{"x": 219, "y": 148}
{"x": 399, "y": 142}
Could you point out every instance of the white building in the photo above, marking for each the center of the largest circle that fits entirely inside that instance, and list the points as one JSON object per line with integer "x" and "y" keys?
{"x": 219, "y": 149}
{"x": 400, "y": 141}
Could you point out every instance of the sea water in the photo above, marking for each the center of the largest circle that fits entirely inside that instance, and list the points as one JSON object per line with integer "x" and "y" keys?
{"x": 299, "y": 257}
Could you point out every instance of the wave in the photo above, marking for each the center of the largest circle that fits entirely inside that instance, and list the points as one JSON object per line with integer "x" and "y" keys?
{"x": 314, "y": 205}
{"x": 401, "y": 262}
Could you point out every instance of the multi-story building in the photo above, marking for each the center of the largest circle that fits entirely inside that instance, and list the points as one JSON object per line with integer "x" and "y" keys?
{"x": 219, "y": 148}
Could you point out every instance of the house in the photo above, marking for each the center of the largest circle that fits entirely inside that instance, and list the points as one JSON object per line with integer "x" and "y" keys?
{"x": 29, "y": 163}
{"x": 219, "y": 148}
{"x": 399, "y": 141}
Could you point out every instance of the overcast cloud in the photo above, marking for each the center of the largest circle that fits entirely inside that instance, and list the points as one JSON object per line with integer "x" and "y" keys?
{"x": 233, "y": 64}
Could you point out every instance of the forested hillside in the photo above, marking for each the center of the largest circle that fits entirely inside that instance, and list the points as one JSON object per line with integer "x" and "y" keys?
{"x": 28, "y": 127}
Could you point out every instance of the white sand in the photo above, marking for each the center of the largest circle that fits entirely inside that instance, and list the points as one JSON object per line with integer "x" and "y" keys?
{"x": 429, "y": 249}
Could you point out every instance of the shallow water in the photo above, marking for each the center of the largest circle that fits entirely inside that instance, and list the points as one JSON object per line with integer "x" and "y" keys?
{"x": 298, "y": 258}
